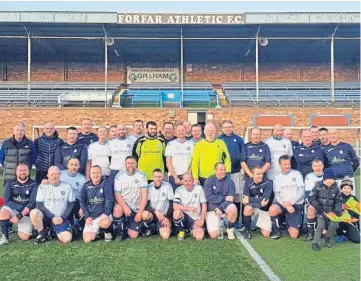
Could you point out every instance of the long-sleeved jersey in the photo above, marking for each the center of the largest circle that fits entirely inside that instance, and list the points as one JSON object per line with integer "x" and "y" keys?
{"x": 64, "y": 153}
{"x": 19, "y": 195}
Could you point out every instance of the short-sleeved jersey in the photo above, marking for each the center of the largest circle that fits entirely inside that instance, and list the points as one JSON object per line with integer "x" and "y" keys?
{"x": 119, "y": 149}
{"x": 288, "y": 186}
{"x": 159, "y": 197}
{"x": 193, "y": 198}
{"x": 150, "y": 153}
{"x": 76, "y": 182}
{"x": 129, "y": 187}
{"x": 278, "y": 147}
{"x": 181, "y": 153}
{"x": 206, "y": 154}
{"x": 310, "y": 181}
{"x": 98, "y": 154}
{"x": 55, "y": 198}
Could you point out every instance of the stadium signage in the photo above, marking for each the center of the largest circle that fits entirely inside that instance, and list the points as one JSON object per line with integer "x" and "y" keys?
{"x": 181, "y": 18}
{"x": 152, "y": 75}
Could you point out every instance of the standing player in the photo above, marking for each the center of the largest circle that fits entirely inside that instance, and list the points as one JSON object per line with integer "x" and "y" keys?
{"x": 234, "y": 145}
{"x": 97, "y": 201}
{"x": 287, "y": 133}
{"x": 255, "y": 154}
{"x": 324, "y": 138}
{"x": 305, "y": 153}
{"x": 196, "y": 131}
{"x": 311, "y": 180}
{"x": 98, "y": 154}
{"x": 46, "y": 146}
{"x": 160, "y": 204}
{"x": 86, "y": 136}
{"x": 190, "y": 208}
{"x": 188, "y": 126}
{"x": 113, "y": 132}
{"x": 16, "y": 150}
{"x": 207, "y": 153}
{"x": 278, "y": 146}
{"x": 257, "y": 199}
{"x": 54, "y": 203}
{"x": 138, "y": 128}
{"x": 119, "y": 149}
{"x": 342, "y": 158}
{"x": 220, "y": 191}
{"x": 315, "y": 135}
{"x": 149, "y": 150}
{"x": 71, "y": 149}
{"x": 178, "y": 157}
{"x": 19, "y": 196}
{"x": 168, "y": 132}
{"x": 131, "y": 197}
{"x": 288, "y": 188}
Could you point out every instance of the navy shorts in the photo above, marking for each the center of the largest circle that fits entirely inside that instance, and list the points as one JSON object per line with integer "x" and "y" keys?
{"x": 65, "y": 226}
{"x": 188, "y": 222}
{"x": 293, "y": 220}
{"x": 131, "y": 224}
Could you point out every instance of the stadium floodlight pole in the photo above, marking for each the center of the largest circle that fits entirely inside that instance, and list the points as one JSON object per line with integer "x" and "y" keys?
{"x": 181, "y": 66}
{"x": 333, "y": 66}
{"x": 29, "y": 64}
{"x": 105, "y": 66}
{"x": 257, "y": 76}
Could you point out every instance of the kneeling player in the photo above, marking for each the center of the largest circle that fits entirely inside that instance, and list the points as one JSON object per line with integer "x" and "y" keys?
{"x": 54, "y": 203}
{"x": 131, "y": 196}
{"x": 288, "y": 190}
{"x": 257, "y": 198}
{"x": 96, "y": 201}
{"x": 190, "y": 208}
{"x": 19, "y": 198}
{"x": 219, "y": 192}
{"x": 160, "y": 204}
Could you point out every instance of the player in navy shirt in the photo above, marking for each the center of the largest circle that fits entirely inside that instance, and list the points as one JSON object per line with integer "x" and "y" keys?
{"x": 86, "y": 136}
{"x": 324, "y": 138}
{"x": 97, "y": 201}
{"x": 287, "y": 133}
{"x": 255, "y": 154}
{"x": 315, "y": 135}
{"x": 305, "y": 153}
{"x": 341, "y": 158}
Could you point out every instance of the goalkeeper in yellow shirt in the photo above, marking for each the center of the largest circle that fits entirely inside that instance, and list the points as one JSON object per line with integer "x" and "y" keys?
{"x": 207, "y": 153}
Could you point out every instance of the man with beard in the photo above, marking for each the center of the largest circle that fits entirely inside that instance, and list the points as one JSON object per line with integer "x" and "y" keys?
{"x": 324, "y": 138}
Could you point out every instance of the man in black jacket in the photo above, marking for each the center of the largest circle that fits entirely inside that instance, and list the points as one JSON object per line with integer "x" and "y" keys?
{"x": 16, "y": 150}
{"x": 45, "y": 147}
{"x": 325, "y": 197}
{"x": 19, "y": 198}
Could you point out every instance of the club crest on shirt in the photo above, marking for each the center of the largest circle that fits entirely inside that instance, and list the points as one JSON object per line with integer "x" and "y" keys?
{"x": 188, "y": 147}
{"x": 136, "y": 181}
{"x": 260, "y": 150}
{"x": 312, "y": 151}
{"x": 163, "y": 194}
{"x": 195, "y": 195}
{"x": 214, "y": 187}
{"x": 129, "y": 146}
{"x": 284, "y": 146}
{"x": 75, "y": 150}
{"x": 62, "y": 192}
{"x": 77, "y": 183}
{"x": 234, "y": 140}
{"x": 101, "y": 190}
{"x": 294, "y": 179}
{"x": 27, "y": 192}
{"x": 341, "y": 152}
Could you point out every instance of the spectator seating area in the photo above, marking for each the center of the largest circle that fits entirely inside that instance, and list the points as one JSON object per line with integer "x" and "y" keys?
{"x": 307, "y": 94}
{"x": 55, "y": 93}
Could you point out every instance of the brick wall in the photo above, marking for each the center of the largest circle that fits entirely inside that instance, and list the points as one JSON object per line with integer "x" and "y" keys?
{"x": 72, "y": 116}
{"x": 52, "y": 71}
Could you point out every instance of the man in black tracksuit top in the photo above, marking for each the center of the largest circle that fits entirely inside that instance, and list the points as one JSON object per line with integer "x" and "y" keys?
{"x": 71, "y": 149}
{"x": 97, "y": 201}
{"x": 257, "y": 198}
{"x": 86, "y": 136}
{"x": 45, "y": 147}
{"x": 20, "y": 199}
{"x": 325, "y": 197}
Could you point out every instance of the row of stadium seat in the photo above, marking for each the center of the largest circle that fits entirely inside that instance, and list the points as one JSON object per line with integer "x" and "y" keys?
{"x": 54, "y": 85}
{"x": 291, "y": 86}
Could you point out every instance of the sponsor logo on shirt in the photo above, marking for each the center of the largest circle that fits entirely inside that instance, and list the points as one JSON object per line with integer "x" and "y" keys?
{"x": 336, "y": 160}
{"x": 255, "y": 157}
{"x": 20, "y": 199}
{"x": 96, "y": 200}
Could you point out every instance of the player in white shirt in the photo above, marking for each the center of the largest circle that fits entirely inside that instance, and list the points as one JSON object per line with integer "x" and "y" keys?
{"x": 98, "y": 153}
{"x": 138, "y": 130}
{"x": 178, "y": 157}
{"x": 278, "y": 146}
{"x": 288, "y": 188}
{"x": 119, "y": 149}
{"x": 190, "y": 208}
{"x": 160, "y": 205}
{"x": 54, "y": 203}
{"x": 310, "y": 181}
{"x": 131, "y": 196}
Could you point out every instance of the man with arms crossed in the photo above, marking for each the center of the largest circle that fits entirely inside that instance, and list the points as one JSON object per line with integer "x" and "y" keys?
{"x": 190, "y": 208}
{"x": 54, "y": 203}
{"x": 219, "y": 191}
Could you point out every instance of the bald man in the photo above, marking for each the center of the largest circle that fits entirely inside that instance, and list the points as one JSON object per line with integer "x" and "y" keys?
{"x": 54, "y": 204}
{"x": 18, "y": 149}
{"x": 207, "y": 153}
{"x": 278, "y": 146}
{"x": 341, "y": 157}
{"x": 46, "y": 146}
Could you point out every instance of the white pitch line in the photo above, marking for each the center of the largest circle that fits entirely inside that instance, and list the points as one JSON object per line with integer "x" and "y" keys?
{"x": 261, "y": 263}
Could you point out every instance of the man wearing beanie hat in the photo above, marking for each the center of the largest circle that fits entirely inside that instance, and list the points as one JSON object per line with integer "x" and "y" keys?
{"x": 349, "y": 230}
{"x": 325, "y": 197}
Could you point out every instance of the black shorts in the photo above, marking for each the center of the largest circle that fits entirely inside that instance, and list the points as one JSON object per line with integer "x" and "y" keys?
{"x": 157, "y": 222}
{"x": 293, "y": 220}
{"x": 65, "y": 226}
{"x": 131, "y": 223}
{"x": 188, "y": 222}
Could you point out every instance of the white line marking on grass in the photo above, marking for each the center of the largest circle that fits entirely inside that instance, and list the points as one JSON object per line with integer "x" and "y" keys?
{"x": 261, "y": 263}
